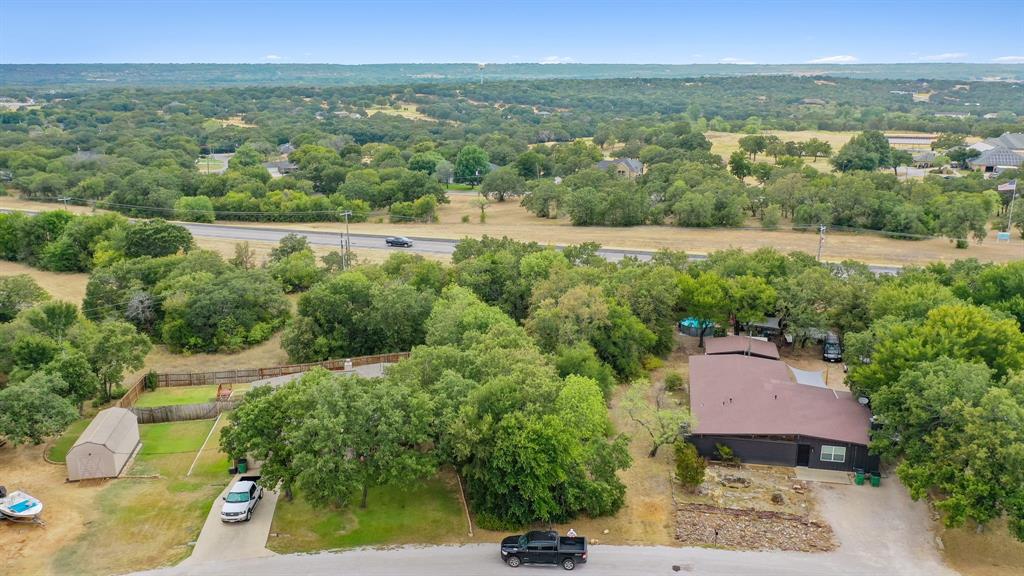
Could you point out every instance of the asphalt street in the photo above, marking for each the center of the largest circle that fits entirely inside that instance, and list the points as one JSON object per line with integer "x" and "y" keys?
{"x": 420, "y": 244}
{"x": 483, "y": 559}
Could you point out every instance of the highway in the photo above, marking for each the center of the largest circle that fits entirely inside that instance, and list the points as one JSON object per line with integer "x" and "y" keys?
{"x": 424, "y": 245}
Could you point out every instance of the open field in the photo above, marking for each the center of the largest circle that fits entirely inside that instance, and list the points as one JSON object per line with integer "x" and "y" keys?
{"x": 67, "y": 286}
{"x": 410, "y": 111}
{"x": 725, "y": 143}
{"x": 210, "y": 165}
{"x": 428, "y": 512}
{"x": 176, "y": 395}
{"x": 510, "y": 219}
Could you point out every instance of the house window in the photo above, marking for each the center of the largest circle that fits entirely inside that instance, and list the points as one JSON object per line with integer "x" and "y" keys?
{"x": 833, "y": 453}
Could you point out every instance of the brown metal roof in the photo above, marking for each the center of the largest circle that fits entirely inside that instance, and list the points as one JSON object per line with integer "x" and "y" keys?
{"x": 741, "y": 345}
{"x": 741, "y": 395}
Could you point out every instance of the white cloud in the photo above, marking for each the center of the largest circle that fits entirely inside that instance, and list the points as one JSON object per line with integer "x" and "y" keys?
{"x": 733, "y": 60}
{"x": 1009, "y": 60}
{"x": 557, "y": 60}
{"x": 272, "y": 57}
{"x": 944, "y": 57}
{"x": 839, "y": 59}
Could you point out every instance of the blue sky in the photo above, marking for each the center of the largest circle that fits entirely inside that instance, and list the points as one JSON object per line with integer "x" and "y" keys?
{"x": 382, "y": 31}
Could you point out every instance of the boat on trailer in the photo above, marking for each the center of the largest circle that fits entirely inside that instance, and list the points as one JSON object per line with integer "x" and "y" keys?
{"x": 19, "y": 506}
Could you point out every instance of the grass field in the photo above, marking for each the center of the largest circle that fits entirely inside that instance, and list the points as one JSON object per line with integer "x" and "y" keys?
{"x": 138, "y": 523}
{"x": 58, "y": 451}
{"x": 173, "y": 396}
{"x": 428, "y": 512}
{"x": 206, "y": 165}
{"x": 991, "y": 552}
{"x": 67, "y": 286}
{"x": 725, "y": 143}
{"x": 410, "y": 111}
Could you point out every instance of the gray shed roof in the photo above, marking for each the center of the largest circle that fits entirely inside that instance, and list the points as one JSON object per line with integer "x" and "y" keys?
{"x": 998, "y": 157}
{"x": 115, "y": 428}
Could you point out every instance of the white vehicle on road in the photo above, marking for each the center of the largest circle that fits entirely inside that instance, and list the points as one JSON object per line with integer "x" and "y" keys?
{"x": 241, "y": 500}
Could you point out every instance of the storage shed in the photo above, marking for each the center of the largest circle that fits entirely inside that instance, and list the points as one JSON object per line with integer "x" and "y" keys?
{"x": 104, "y": 448}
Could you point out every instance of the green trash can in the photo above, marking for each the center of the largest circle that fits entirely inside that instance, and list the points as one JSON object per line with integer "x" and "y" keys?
{"x": 876, "y": 480}
{"x": 243, "y": 466}
{"x": 858, "y": 477}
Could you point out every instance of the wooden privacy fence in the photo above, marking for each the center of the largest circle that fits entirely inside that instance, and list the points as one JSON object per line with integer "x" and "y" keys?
{"x": 184, "y": 411}
{"x": 246, "y": 375}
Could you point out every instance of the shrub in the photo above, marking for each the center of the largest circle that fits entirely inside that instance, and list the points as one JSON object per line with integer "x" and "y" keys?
{"x": 674, "y": 381}
{"x": 690, "y": 466}
{"x": 725, "y": 454}
{"x": 194, "y": 209}
{"x": 465, "y": 218}
{"x": 961, "y": 243}
{"x": 150, "y": 381}
{"x": 771, "y": 217}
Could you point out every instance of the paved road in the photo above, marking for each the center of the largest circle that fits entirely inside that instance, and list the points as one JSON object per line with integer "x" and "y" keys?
{"x": 229, "y": 542}
{"x": 420, "y": 244}
{"x": 482, "y": 559}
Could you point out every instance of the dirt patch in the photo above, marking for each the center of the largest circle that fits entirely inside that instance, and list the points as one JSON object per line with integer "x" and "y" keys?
{"x": 68, "y": 286}
{"x": 809, "y": 358}
{"x": 751, "y": 508}
{"x": 28, "y": 549}
{"x": 704, "y": 525}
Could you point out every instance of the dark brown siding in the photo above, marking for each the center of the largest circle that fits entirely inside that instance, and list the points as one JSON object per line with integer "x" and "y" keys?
{"x": 760, "y": 450}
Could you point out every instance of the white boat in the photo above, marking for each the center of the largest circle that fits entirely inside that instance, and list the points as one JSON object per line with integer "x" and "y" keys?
{"x": 20, "y": 506}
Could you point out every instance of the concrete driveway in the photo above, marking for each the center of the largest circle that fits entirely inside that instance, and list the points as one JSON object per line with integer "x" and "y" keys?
{"x": 882, "y": 529}
{"x": 221, "y": 541}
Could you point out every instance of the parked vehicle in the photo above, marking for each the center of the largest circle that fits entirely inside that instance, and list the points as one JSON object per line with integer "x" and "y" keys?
{"x": 544, "y": 547}
{"x": 241, "y": 500}
{"x": 400, "y": 241}
{"x": 832, "y": 350}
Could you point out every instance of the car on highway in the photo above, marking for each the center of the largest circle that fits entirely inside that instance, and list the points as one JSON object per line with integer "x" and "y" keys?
{"x": 400, "y": 241}
{"x": 241, "y": 500}
{"x": 544, "y": 547}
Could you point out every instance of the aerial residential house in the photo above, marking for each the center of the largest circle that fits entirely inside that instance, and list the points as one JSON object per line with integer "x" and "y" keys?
{"x": 279, "y": 168}
{"x": 923, "y": 158}
{"x": 285, "y": 149}
{"x": 812, "y": 102}
{"x": 997, "y": 159}
{"x": 626, "y": 167}
{"x": 768, "y": 413}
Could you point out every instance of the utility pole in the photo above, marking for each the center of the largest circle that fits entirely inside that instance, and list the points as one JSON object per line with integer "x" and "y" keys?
{"x": 346, "y": 242}
{"x": 1009, "y": 215}
{"x": 821, "y": 239}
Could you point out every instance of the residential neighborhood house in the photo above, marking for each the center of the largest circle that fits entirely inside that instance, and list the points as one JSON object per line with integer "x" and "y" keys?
{"x": 626, "y": 167}
{"x": 756, "y": 407}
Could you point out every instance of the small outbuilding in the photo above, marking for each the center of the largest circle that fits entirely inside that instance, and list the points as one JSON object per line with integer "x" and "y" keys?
{"x": 105, "y": 447}
{"x": 742, "y": 345}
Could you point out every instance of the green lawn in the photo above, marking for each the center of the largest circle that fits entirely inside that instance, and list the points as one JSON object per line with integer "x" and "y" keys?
{"x": 460, "y": 186}
{"x": 148, "y": 521}
{"x": 59, "y": 450}
{"x": 174, "y": 437}
{"x": 173, "y": 396}
{"x": 429, "y": 512}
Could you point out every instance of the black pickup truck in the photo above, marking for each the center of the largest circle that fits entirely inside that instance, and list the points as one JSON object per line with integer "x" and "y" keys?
{"x": 540, "y": 547}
